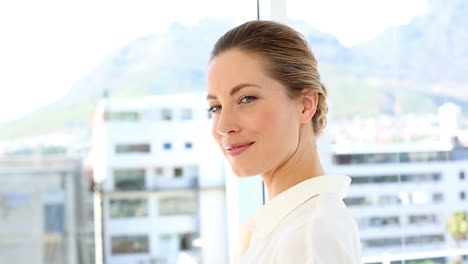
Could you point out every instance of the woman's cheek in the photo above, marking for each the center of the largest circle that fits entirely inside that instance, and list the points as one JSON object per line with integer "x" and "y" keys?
{"x": 266, "y": 120}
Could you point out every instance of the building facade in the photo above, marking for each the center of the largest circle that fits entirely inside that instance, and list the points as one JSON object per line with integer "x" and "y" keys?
{"x": 401, "y": 195}
{"x": 161, "y": 181}
{"x": 40, "y": 210}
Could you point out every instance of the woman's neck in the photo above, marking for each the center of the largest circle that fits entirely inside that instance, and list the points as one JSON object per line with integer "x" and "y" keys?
{"x": 303, "y": 164}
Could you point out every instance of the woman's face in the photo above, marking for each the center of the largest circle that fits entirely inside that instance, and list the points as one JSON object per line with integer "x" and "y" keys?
{"x": 255, "y": 123}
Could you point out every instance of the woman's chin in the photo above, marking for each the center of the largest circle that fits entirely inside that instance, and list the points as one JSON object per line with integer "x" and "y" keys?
{"x": 243, "y": 173}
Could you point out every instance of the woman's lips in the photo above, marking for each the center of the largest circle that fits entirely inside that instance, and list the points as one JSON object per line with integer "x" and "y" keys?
{"x": 239, "y": 149}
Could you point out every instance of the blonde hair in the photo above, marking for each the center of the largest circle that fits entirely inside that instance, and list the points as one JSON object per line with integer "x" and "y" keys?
{"x": 288, "y": 56}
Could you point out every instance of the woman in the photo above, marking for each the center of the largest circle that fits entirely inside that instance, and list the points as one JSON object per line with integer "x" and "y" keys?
{"x": 269, "y": 106}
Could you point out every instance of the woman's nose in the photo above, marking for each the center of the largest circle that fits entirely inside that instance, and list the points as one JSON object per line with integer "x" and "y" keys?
{"x": 227, "y": 124}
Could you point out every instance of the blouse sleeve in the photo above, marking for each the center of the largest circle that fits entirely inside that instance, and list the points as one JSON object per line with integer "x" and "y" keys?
{"x": 320, "y": 241}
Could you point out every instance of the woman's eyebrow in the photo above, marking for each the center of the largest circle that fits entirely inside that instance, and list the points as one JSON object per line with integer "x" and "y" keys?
{"x": 234, "y": 90}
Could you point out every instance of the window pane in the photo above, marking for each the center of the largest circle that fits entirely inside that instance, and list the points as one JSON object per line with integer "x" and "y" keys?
{"x": 132, "y": 148}
{"x": 186, "y": 114}
{"x": 178, "y": 206}
{"x": 130, "y": 244}
{"x": 122, "y": 116}
{"x": 54, "y": 216}
{"x": 124, "y": 208}
{"x": 130, "y": 179}
{"x": 166, "y": 114}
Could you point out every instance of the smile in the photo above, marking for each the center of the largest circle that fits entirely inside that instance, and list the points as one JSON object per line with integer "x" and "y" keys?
{"x": 234, "y": 151}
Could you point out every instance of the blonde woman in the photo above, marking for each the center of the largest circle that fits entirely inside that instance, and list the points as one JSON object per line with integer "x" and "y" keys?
{"x": 269, "y": 107}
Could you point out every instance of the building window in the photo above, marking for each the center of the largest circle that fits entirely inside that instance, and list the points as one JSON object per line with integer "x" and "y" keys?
{"x": 129, "y": 179}
{"x": 167, "y": 146}
{"x": 122, "y": 116}
{"x": 413, "y": 178}
{"x": 462, "y": 195}
{"x": 389, "y": 199}
{"x": 437, "y": 197}
{"x": 168, "y": 244}
{"x": 384, "y": 221}
{"x": 123, "y": 208}
{"x": 351, "y": 201}
{"x": 188, "y": 145}
{"x": 132, "y": 148}
{"x": 381, "y": 242}
{"x": 159, "y": 172}
{"x": 421, "y": 240}
{"x": 178, "y": 206}
{"x": 166, "y": 114}
{"x": 376, "y": 158}
{"x": 178, "y": 172}
{"x": 462, "y": 175}
{"x": 130, "y": 244}
{"x": 186, "y": 241}
{"x": 186, "y": 114}
{"x": 53, "y": 218}
{"x": 423, "y": 219}
{"x": 172, "y": 243}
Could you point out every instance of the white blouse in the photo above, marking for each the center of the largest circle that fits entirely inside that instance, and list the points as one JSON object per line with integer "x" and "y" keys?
{"x": 307, "y": 223}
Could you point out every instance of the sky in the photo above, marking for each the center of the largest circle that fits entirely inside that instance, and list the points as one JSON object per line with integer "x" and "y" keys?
{"x": 46, "y": 46}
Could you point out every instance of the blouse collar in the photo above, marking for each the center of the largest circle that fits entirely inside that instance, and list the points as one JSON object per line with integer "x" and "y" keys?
{"x": 264, "y": 220}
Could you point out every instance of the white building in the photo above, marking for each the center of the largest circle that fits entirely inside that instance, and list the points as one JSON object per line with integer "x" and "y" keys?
{"x": 41, "y": 208}
{"x": 401, "y": 194}
{"x": 162, "y": 181}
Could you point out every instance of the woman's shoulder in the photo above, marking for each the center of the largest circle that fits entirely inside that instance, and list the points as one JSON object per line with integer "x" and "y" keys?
{"x": 328, "y": 228}
{"x": 323, "y": 218}
{"x": 326, "y": 210}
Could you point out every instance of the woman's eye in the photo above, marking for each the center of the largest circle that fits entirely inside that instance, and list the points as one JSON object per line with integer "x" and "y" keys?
{"x": 247, "y": 99}
{"x": 214, "y": 108}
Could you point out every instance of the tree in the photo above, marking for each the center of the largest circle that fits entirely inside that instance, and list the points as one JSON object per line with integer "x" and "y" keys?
{"x": 457, "y": 226}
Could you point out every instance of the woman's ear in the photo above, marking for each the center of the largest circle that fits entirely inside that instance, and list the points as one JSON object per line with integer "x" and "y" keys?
{"x": 309, "y": 102}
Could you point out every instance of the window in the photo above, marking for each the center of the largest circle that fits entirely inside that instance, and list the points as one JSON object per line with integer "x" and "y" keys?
{"x": 437, "y": 197}
{"x": 178, "y": 206}
{"x": 186, "y": 241}
{"x": 122, "y": 116}
{"x": 423, "y": 219}
{"x": 130, "y": 244}
{"x": 410, "y": 240}
{"x": 132, "y": 148}
{"x": 351, "y": 201}
{"x": 122, "y": 208}
{"x": 462, "y": 175}
{"x": 376, "y": 158}
{"x": 383, "y": 221}
{"x": 166, "y": 114}
{"x": 188, "y": 145}
{"x": 178, "y": 172}
{"x": 53, "y": 218}
{"x": 167, "y": 146}
{"x": 186, "y": 114}
{"x": 412, "y": 178}
{"x": 427, "y": 239}
{"x": 389, "y": 199}
{"x": 159, "y": 172}
{"x": 168, "y": 243}
{"x": 129, "y": 179}
{"x": 381, "y": 242}
{"x": 462, "y": 196}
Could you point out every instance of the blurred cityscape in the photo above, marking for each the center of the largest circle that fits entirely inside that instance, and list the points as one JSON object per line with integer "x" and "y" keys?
{"x": 123, "y": 169}
{"x": 148, "y": 185}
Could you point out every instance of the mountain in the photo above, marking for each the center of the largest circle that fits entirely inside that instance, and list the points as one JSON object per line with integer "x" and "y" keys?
{"x": 430, "y": 52}
{"x": 416, "y": 66}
